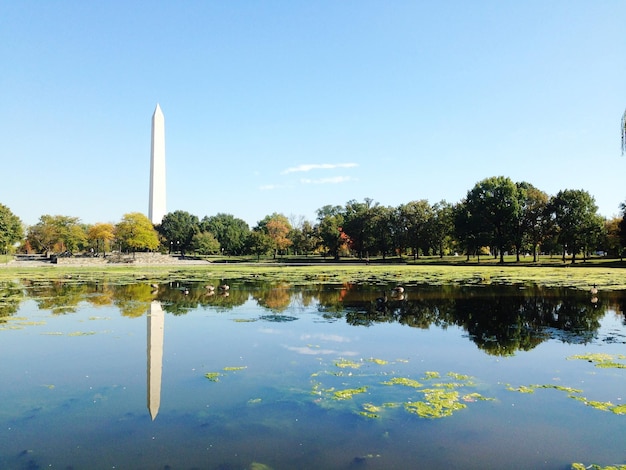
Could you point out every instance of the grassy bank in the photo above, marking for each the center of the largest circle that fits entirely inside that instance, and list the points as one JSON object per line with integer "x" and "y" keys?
{"x": 578, "y": 277}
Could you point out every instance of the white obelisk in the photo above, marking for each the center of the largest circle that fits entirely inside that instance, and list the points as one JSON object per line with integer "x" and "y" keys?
{"x": 157, "y": 168}
{"x": 156, "y": 327}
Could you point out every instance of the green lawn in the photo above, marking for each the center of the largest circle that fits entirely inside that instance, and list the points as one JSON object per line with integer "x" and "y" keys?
{"x": 605, "y": 274}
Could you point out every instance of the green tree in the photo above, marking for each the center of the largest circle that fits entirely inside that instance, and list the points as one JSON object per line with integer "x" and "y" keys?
{"x": 11, "y": 230}
{"x": 469, "y": 231}
{"x": 359, "y": 225}
{"x": 231, "y": 232}
{"x": 57, "y": 233}
{"x": 259, "y": 243}
{"x": 43, "y": 235}
{"x": 612, "y": 243}
{"x": 382, "y": 220}
{"x": 493, "y": 207}
{"x": 303, "y": 236}
{"x": 330, "y": 229}
{"x": 415, "y": 217}
{"x": 135, "y": 232}
{"x": 441, "y": 226}
{"x": 205, "y": 243}
{"x": 622, "y": 227}
{"x": 178, "y": 229}
{"x": 578, "y": 223}
{"x": 536, "y": 223}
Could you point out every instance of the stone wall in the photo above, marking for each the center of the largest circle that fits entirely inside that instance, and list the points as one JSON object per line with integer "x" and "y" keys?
{"x": 80, "y": 261}
{"x": 121, "y": 258}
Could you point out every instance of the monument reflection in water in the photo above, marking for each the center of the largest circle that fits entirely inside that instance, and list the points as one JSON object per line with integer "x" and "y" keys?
{"x": 156, "y": 324}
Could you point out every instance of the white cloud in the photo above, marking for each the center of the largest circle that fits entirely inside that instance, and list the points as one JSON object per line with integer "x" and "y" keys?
{"x": 331, "y": 180}
{"x": 309, "y": 351}
{"x": 270, "y": 187}
{"x": 318, "y": 166}
{"x": 325, "y": 337}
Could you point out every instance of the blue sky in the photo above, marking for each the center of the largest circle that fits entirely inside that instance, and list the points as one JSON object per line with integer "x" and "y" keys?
{"x": 286, "y": 106}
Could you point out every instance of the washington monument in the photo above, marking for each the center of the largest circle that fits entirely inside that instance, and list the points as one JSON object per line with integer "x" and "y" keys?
{"x": 157, "y": 168}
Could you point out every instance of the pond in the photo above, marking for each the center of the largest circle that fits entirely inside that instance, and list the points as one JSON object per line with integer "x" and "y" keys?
{"x": 276, "y": 376}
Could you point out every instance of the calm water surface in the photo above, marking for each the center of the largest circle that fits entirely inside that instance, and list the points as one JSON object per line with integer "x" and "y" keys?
{"x": 282, "y": 377}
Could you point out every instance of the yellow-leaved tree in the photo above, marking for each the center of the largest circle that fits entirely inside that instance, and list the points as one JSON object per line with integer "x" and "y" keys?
{"x": 101, "y": 235}
{"x": 135, "y": 232}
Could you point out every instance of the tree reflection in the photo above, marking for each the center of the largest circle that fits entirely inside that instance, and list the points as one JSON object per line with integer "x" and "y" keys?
{"x": 11, "y": 296}
{"x": 500, "y": 324}
{"x": 275, "y": 297}
{"x": 133, "y": 300}
{"x": 60, "y": 296}
{"x": 500, "y": 320}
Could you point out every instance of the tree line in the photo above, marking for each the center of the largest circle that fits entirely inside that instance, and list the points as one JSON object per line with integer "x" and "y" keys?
{"x": 496, "y": 217}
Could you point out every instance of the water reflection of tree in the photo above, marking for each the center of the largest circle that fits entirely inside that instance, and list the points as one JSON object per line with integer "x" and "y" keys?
{"x": 499, "y": 320}
{"x": 275, "y": 297}
{"x": 179, "y": 298}
{"x": 60, "y": 297}
{"x": 501, "y": 324}
{"x": 11, "y": 296}
{"x": 424, "y": 313}
{"x": 133, "y": 300}
{"x": 575, "y": 319}
{"x": 102, "y": 295}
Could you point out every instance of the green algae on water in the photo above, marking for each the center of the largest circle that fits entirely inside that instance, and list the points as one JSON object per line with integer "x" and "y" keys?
{"x": 259, "y": 466}
{"x": 532, "y": 388}
{"x": 348, "y": 393}
{"x": 521, "y": 388}
{"x": 475, "y": 396}
{"x": 602, "y": 405}
{"x": 573, "y": 393}
{"x": 438, "y": 404}
{"x": 380, "y": 362}
{"x": 214, "y": 376}
{"x": 602, "y": 360}
{"x": 582, "y": 466}
{"x": 619, "y": 409}
{"x": 445, "y": 394}
{"x": 370, "y": 411}
{"x": 403, "y": 381}
{"x": 344, "y": 363}
{"x": 457, "y": 376}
